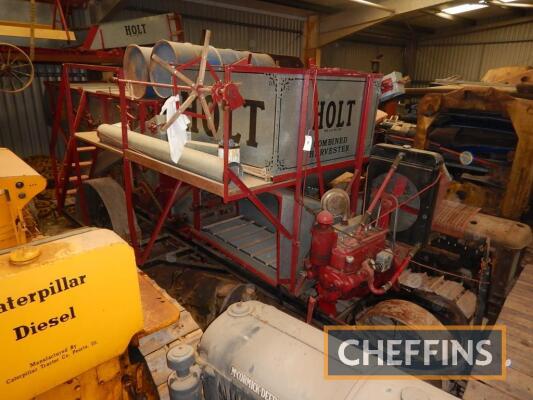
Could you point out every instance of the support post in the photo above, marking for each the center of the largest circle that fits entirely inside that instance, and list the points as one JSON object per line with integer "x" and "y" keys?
{"x": 298, "y": 201}
{"x": 310, "y": 41}
{"x": 153, "y": 237}
{"x": 128, "y": 172}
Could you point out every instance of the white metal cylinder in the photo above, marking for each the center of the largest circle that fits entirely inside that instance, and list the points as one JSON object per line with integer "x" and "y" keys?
{"x": 175, "y": 53}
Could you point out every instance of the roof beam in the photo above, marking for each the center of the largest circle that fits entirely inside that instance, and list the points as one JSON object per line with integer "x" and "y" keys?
{"x": 105, "y": 10}
{"x": 376, "y": 39}
{"x": 454, "y": 18}
{"x": 258, "y": 7}
{"x": 406, "y": 27}
{"x": 309, "y": 8}
{"x": 336, "y": 26}
{"x": 479, "y": 27}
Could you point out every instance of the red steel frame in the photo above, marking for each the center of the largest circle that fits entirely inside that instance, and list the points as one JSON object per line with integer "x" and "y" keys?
{"x": 61, "y": 169}
{"x": 58, "y": 9}
{"x": 294, "y": 179}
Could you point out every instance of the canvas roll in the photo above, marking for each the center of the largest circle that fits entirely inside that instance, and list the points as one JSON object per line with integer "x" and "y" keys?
{"x": 211, "y": 148}
{"x": 199, "y": 162}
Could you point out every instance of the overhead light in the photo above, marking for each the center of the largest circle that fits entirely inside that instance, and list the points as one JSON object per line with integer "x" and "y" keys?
{"x": 445, "y": 16}
{"x": 464, "y": 8}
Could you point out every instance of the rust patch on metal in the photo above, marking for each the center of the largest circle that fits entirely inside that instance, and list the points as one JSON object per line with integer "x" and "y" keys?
{"x": 402, "y": 311}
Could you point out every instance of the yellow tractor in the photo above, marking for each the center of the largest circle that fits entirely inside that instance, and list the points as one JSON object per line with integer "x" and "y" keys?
{"x": 71, "y": 305}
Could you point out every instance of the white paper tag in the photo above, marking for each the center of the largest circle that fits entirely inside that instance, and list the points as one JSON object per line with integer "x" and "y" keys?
{"x": 177, "y": 133}
{"x": 308, "y": 142}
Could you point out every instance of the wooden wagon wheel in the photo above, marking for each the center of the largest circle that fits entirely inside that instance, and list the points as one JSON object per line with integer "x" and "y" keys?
{"x": 16, "y": 69}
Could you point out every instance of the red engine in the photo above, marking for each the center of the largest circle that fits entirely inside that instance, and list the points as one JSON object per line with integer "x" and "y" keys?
{"x": 349, "y": 264}
{"x": 353, "y": 260}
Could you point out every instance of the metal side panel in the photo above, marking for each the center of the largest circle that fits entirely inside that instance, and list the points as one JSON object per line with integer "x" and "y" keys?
{"x": 287, "y": 207}
{"x": 251, "y": 242}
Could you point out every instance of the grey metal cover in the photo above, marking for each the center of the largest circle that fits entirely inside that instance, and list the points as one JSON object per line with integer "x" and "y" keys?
{"x": 267, "y": 125}
{"x": 254, "y": 351}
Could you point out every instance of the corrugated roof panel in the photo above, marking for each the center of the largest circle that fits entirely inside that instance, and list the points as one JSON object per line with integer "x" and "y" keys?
{"x": 471, "y": 55}
{"x": 522, "y": 31}
{"x": 358, "y": 56}
{"x": 442, "y": 62}
{"x": 231, "y": 28}
{"x": 501, "y": 55}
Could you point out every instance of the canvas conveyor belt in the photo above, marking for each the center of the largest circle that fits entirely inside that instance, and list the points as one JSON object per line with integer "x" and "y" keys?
{"x": 194, "y": 179}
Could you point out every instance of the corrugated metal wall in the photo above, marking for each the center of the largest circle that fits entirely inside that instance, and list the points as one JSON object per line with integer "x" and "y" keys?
{"x": 471, "y": 55}
{"x": 22, "y": 125}
{"x": 25, "y": 117}
{"x": 231, "y": 28}
{"x": 358, "y": 56}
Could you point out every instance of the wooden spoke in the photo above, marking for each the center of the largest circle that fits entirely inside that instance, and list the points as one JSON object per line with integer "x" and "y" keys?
{"x": 17, "y": 66}
{"x": 16, "y": 69}
{"x": 186, "y": 104}
{"x": 208, "y": 114}
{"x": 184, "y": 78}
{"x": 172, "y": 70}
{"x": 20, "y": 73}
{"x": 18, "y": 79}
{"x": 197, "y": 89}
{"x": 203, "y": 62}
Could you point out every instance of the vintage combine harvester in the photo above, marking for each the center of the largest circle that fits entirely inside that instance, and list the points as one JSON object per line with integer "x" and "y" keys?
{"x": 263, "y": 142}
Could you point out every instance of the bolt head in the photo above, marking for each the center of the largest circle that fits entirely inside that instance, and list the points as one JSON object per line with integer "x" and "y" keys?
{"x": 239, "y": 309}
{"x": 180, "y": 357}
{"x": 324, "y": 218}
